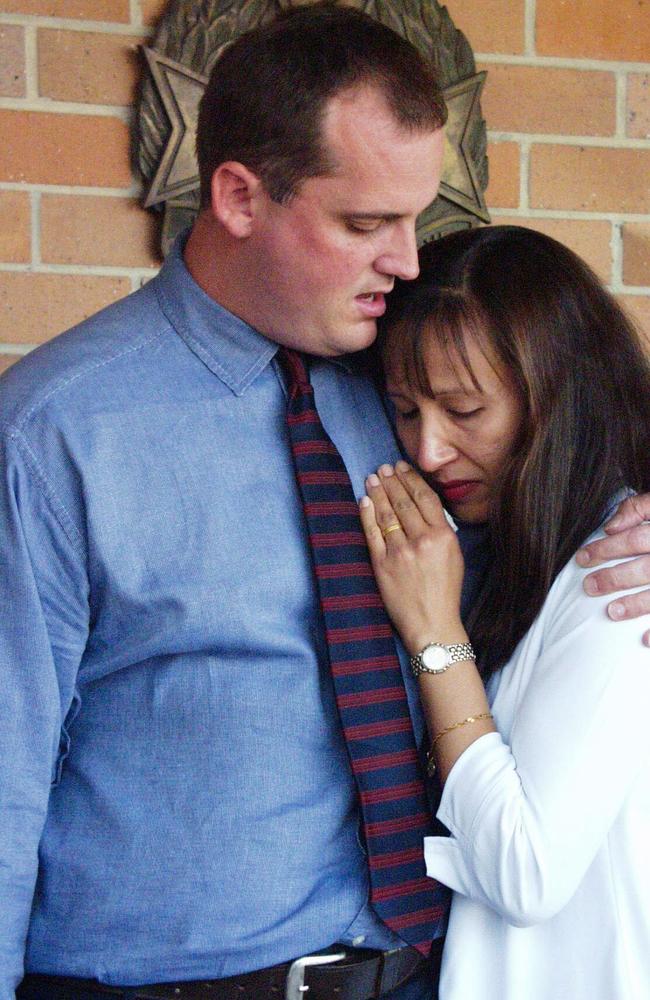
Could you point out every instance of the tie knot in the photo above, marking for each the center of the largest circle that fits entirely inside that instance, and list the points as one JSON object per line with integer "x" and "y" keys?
{"x": 296, "y": 369}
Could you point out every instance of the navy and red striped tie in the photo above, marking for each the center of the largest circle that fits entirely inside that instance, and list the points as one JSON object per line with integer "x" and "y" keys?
{"x": 368, "y": 681}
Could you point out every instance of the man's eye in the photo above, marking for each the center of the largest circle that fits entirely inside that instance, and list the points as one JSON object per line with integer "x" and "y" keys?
{"x": 465, "y": 414}
{"x": 407, "y": 414}
{"x": 363, "y": 225}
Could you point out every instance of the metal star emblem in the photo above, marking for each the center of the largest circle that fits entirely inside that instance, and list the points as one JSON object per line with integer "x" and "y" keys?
{"x": 459, "y": 182}
{"x": 180, "y": 90}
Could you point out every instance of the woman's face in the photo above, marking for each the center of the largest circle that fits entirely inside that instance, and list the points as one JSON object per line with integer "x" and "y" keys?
{"x": 463, "y": 436}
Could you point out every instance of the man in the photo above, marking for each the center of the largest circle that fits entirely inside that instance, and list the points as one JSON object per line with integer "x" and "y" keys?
{"x": 177, "y": 800}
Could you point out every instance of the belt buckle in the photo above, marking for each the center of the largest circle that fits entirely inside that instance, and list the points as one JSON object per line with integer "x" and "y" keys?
{"x": 295, "y": 986}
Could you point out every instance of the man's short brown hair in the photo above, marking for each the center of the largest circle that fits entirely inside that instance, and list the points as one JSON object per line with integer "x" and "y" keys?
{"x": 266, "y": 97}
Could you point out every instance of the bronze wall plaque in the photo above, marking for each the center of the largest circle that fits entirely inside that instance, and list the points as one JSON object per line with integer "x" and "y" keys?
{"x": 191, "y": 37}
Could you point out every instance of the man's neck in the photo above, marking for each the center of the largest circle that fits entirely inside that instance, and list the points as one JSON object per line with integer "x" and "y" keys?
{"x": 211, "y": 259}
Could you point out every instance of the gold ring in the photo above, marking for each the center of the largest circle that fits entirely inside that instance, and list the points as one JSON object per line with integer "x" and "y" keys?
{"x": 391, "y": 527}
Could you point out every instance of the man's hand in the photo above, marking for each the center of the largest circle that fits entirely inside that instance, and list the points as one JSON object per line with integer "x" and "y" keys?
{"x": 628, "y": 534}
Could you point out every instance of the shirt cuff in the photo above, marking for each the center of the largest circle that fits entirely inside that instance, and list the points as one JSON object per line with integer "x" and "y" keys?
{"x": 471, "y": 780}
{"x": 448, "y": 859}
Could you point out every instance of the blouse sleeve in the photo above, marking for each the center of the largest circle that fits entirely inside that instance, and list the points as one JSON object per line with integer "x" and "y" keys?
{"x": 527, "y": 816}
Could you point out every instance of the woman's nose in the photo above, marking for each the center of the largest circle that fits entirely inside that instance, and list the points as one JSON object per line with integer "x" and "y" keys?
{"x": 435, "y": 449}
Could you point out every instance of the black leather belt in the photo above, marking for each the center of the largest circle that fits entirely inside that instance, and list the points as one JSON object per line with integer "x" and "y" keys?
{"x": 360, "y": 975}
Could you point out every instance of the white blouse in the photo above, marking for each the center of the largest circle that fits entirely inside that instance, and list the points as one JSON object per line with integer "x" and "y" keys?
{"x": 550, "y": 817}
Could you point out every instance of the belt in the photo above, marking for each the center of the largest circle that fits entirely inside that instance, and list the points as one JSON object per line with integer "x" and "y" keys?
{"x": 360, "y": 974}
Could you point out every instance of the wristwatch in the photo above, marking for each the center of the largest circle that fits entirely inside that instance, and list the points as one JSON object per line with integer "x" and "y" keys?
{"x": 436, "y": 657}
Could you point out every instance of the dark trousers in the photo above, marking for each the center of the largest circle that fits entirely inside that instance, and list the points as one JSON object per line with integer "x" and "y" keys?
{"x": 424, "y": 986}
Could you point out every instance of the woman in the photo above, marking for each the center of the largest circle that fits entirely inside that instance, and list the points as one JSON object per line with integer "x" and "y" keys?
{"x": 523, "y": 396}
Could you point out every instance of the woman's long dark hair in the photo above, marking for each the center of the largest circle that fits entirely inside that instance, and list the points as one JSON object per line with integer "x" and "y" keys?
{"x": 584, "y": 380}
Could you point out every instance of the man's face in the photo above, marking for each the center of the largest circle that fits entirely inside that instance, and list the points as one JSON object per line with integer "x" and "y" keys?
{"x": 325, "y": 260}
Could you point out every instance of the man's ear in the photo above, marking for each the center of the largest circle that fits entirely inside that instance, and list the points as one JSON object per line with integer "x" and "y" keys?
{"x": 234, "y": 189}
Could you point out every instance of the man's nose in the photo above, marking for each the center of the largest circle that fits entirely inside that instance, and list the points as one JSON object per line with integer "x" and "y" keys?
{"x": 400, "y": 258}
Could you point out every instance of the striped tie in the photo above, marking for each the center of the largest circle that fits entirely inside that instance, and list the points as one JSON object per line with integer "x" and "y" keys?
{"x": 368, "y": 680}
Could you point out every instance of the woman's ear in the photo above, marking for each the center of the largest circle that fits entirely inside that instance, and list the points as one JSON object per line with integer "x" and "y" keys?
{"x": 233, "y": 191}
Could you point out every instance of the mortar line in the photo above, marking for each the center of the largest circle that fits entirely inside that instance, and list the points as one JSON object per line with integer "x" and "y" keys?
{"x": 621, "y": 105}
{"x": 135, "y": 13}
{"x": 616, "y": 245}
{"x": 530, "y": 17}
{"x": 81, "y": 270}
{"x": 558, "y": 62}
{"x": 524, "y": 176}
{"x": 35, "y": 198}
{"x": 16, "y": 349}
{"x": 133, "y": 191}
{"x": 593, "y": 141}
{"x": 46, "y": 105}
{"x": 575, "y": 215}
{"x": 74, "y": 24}
{"x": 31, "y": 65}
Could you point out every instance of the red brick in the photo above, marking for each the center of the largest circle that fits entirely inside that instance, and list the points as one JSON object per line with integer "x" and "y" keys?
{"x": 636, "y": 253}
{"x": 12, "y": 61}
{"x": 106, "y": 67}
{"x": 597, "y": 29}
{"x": 15, "y": 235}
{"x": 593, "y": 179}
{"x": 90, "y": 10}
{"x": 77, "y": 229}
{"x": 561, "y": 101}
{"x": 491, "y": 25}
{"x": 64, "y": 149}
{"x": 153, "y": 10}
{"x": 503, "y": 189}
{"x": 638, "y": 105}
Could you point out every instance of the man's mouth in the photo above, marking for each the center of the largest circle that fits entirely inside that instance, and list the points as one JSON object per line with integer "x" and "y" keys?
{"x": 372, "y": 303}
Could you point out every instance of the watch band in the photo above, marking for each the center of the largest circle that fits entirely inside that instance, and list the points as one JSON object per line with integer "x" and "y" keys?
{"x": 441, "y": 657}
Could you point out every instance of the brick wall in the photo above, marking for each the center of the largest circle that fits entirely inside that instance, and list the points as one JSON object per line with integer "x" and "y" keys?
{"x": 567, "y": 104}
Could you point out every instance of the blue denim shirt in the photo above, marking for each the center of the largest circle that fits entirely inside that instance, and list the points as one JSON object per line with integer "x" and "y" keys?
{"x": 175, "y": 794}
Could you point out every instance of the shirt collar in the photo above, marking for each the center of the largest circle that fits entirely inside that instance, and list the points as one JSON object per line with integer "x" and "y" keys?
{"x": 234, "y": 351}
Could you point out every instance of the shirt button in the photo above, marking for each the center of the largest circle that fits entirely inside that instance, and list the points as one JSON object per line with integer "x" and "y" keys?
{"x": 358, "y": 940}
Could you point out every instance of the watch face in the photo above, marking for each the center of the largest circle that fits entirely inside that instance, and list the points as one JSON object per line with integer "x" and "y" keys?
{"x": 436, "y": 658}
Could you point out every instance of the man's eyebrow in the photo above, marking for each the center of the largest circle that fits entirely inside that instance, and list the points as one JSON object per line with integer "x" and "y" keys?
{"x": 371, "y": 216}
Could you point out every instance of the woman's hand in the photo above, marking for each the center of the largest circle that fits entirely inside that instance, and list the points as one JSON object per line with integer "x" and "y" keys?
{"x": 415, "y": 555}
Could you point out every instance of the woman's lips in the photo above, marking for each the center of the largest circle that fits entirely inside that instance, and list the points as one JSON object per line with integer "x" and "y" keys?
{"x": 372, "y": 304}
{"x": 458, "y": 489}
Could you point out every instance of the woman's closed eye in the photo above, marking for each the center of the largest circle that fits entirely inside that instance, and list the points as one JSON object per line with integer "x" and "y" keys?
{"x": 465, "y": 414}
{"x": 409, "y": 413}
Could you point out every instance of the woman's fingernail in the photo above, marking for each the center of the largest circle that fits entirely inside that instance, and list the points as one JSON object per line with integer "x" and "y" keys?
{"x": 614, "y": 523}
{"x": 583, "y": 558}
{"x": 364, "y": 502}
{"x": 386, "y": 470}
{"x": 402, "y": 466}
{"x": 616, "y": 610}
{"x": 372, "y": 479}
{"x": 591, "y": 586}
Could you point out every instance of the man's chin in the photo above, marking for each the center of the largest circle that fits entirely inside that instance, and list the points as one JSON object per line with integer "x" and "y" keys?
{"x": 340, "y": 341}
{"x": 361, "y": 336}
